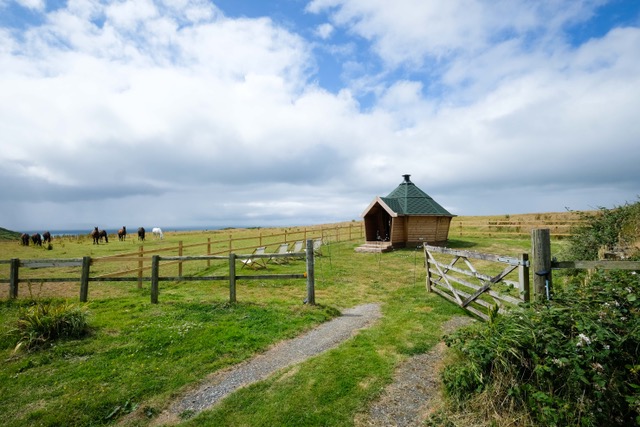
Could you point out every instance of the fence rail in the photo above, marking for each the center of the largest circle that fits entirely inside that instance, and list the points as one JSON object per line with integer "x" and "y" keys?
{"x": 442, "y": 275}
{"x": 86, "y": 262}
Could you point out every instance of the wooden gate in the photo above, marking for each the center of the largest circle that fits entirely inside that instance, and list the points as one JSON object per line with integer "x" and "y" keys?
{"x": 477, "y": 292}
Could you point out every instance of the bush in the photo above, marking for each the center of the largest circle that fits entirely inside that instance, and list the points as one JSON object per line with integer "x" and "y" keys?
{"x": 608, "y": 228}
{"x": 44, "y": 322}
{"x": 571, "y": 362}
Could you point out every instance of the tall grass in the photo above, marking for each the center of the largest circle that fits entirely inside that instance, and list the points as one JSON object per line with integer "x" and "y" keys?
{"x": 42, "y": 323}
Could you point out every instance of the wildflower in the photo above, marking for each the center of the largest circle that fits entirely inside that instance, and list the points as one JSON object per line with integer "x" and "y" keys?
{"x": 583, "y": 340}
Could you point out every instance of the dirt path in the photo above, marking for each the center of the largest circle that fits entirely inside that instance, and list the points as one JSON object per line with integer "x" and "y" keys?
{"x": 408, "y": 400}
{"x": 287, "y": 353}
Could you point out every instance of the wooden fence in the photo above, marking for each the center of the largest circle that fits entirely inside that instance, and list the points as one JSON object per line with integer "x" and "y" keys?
{"x": 513, "y": 226}
{"x": 447, "y": 279}
{"x": 474, "y": 290}
{"x": 86, "y": 262}
{"x": 221, "y": 243}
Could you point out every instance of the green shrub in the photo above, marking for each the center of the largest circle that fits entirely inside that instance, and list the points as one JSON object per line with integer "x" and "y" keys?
{"x": 573, "y": 361}
{"x": 44, "y": 322}
{"x": 605, "y": 228}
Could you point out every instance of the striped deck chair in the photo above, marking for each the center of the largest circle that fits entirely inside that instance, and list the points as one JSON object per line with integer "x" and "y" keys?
{"x": 256, "y": 263}
{"x": 296, "y": 248}
{"x": 283, "y": 249}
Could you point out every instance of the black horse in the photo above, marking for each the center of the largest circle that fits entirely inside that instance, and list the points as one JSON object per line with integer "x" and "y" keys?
{"x": 95, "y": 234}
{"x": 25, "y": 239}
{"x": 36, "y": 239}
{"x": 141, "y": 233}
{"x": 103, "y": 235}
{"x": 46, "y": 237}
{"x": 122, "y": 233}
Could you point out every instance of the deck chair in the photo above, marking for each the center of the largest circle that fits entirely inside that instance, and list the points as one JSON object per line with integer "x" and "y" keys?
{"x": 256, "y": 263}
{"x": 317, "y": 243}
{"x": 297, "y": 248}
{"x": 283, "y": 249}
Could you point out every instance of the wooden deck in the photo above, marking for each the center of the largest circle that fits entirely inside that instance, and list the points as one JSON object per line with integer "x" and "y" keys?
{"x": 375, "y": 247}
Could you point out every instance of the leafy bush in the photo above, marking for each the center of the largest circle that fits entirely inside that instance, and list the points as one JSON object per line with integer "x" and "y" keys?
{"x": 44, "y": 322}
{"x": 571, "y": 361}
{"x": 607, "y": 227}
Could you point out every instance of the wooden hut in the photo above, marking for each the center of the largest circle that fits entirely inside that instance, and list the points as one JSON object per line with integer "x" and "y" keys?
{"x": 406, "y": 217}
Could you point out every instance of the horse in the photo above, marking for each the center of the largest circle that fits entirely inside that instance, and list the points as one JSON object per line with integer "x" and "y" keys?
{"x": 141, "y": 233}
{"x": 103, "y": 234}
{"x": 122, "y": 233}
{"x": 46, "y": 237}
{"x": 95, "y": 234}
{"x": 36, "y": 239}
{"x": 157, "y": 232}
{"x": 25, "y": 239}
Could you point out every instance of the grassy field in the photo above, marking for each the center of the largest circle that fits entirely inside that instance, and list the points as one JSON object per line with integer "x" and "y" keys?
{"x": 138, "y": 355}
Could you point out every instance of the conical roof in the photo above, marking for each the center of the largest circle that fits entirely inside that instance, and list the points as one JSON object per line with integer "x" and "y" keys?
{"x": 408, "y": 199}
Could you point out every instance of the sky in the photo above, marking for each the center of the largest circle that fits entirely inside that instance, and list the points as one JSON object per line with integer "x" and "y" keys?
{"x": 203, "y": 114}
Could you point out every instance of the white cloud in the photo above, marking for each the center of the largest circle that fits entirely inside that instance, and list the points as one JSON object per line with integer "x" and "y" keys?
{"x": 37, "y": 5}
{"x": 165, "y": 105}
{"x": 324, "y": 31}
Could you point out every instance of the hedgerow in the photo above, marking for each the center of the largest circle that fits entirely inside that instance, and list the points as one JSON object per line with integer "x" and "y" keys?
{"x": 572, "y": 361}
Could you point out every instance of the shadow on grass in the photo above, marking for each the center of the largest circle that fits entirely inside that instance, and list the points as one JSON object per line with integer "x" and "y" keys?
{"x": 459, "y": 244}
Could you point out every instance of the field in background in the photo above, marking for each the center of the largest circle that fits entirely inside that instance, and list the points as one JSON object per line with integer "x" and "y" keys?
{"x": 559, "y": 223}
{"x": 140, "y": 354}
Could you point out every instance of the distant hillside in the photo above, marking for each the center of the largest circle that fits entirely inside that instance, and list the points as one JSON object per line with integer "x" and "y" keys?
{"x": 8, "y": 234}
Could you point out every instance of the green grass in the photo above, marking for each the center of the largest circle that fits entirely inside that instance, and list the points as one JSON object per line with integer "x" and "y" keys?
{"x": 138, "y": 355}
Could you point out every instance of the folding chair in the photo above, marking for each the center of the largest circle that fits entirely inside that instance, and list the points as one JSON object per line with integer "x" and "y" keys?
{"x": 297, "y": 248}
{"x": 256, "y": 263}
{"x": 316, "y": 247}
{"x": 283, "y": 249}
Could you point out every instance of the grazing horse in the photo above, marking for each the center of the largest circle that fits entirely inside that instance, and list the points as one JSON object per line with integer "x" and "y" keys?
{"x": 25, "y": 239}
{"x": 157, "y": 232}
{"x": 122, "y": 233}
{"x": 103, "y": 234}
{"x": 95, "y": 234}
{"x": 36, "y": 239}
{"x": 46, "y": 237}
{"x": 141, "y": 233}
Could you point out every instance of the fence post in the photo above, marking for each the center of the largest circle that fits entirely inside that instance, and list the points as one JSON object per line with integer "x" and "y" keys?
{"x": 14, "y": 278}
{"x": 541, "y": 248}
{"x": 523, "y": 276}
{"x": 155, "y": 274}
{"x": 427, "y": 266}
{"x": 180, "y": 254}
{"x": 311, "y": 292}
{"x": 232, "y": 277}
{"x": 84, "y": 279}
{"x": 140, "y": 266}
{"x": 208, "y": 251}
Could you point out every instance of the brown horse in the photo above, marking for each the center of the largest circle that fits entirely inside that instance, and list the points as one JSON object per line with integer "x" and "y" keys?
{"x": 36, "y": 239}
{"x": 95, "y": 234}
{"x": 122, "y": 233}
{"x": 25, "y": 239}
{"x": 46, "y": 237}
{"x": 103, "y": 235}
{"x": 141, "y": 233}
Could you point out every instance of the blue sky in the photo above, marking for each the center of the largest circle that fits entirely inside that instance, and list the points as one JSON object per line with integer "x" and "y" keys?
{"x": 199, "y": 113}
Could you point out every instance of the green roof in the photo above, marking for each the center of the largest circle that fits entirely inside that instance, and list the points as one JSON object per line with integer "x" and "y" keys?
{"x": 408, "y": 199}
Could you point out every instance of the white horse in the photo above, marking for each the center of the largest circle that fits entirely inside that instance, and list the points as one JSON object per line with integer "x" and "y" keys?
{"x": 157, "y": 232}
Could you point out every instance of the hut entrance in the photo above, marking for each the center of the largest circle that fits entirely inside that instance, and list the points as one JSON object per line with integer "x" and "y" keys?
{"x": 378, "y": 226}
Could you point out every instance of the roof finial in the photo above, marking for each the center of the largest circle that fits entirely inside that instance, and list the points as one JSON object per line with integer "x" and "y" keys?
{"x": 406, "y": 177}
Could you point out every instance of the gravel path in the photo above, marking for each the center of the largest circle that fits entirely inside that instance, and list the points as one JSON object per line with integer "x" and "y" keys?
{"x": 287, "y": 353}
{"x": 407, "y": 401}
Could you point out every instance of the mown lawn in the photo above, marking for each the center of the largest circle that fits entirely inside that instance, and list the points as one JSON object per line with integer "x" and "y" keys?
{"x": 139, "y": 356}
